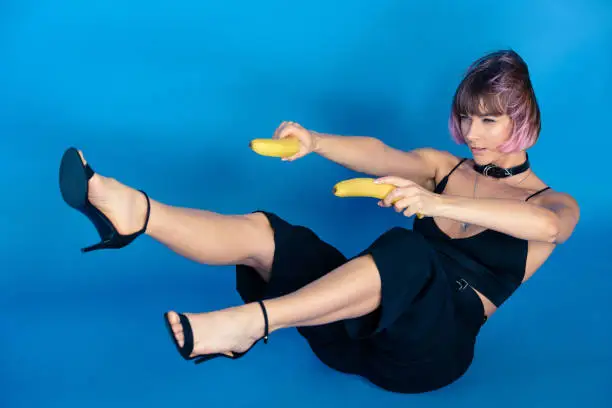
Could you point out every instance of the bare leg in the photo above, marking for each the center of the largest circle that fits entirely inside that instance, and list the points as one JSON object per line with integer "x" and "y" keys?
{"x": 202, "y": 236}
{"x": 350, "y": 291}
{"x": 211, "y": 238}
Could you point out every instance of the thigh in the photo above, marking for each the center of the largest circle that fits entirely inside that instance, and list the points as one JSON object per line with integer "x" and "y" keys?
{"x": 300, "y": 257}
{"x": 432, "y": 344}
{"x": 262, "y": 238}
{"x": 423, "y": 334}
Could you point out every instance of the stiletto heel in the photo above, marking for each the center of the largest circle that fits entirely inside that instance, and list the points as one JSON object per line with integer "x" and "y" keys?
{"x": 100, "y": 245}
{"x": 74, "y": 179}
{"x": 187, "y": 348}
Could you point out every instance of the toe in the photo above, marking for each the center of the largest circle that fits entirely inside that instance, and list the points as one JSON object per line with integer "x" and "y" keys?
{"x": 180, "y": 339}
{"x": 82, "y": 157}
{"x": 176, "y": 327}
{"x": 173, "y": 318}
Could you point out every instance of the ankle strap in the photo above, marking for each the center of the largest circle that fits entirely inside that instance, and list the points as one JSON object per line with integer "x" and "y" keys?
{"x": 266, "y": 327}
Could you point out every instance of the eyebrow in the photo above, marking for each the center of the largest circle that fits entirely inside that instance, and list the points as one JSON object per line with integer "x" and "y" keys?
{"x": 494, "y": 115}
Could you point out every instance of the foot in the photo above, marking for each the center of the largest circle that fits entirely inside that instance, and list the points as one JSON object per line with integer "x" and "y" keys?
{"x": 224, "y": 331}
{"x": 124, "y": 206}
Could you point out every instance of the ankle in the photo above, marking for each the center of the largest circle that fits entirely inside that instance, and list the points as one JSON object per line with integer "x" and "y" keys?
{"x": 270, "y": 317}
{"x": 158, "y": 217}
{"x": 145, "y": 209}
{"x": 258, "y": 326}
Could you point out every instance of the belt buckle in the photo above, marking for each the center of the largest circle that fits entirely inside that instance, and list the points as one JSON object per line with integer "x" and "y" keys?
{"x": 461, "y": 284}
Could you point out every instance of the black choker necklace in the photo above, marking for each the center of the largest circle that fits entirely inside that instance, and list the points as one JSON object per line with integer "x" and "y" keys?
{"x": 492, "y": 170}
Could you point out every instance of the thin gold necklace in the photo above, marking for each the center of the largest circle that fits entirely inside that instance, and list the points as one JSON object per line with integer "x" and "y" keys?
{"x": 465, "y": 225}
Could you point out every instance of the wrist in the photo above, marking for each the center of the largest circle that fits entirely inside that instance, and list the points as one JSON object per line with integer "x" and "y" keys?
{"x": 445, "y": 205}
{"x": 316, "y": 141}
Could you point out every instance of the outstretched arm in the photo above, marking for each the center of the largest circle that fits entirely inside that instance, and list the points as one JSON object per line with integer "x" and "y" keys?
{"x": 369, "y": 155}
{"x": 549, "y": 218}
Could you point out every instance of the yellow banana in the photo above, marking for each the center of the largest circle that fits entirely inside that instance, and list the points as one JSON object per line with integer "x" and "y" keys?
{"x": 363, "y": 187}
{"x": 285, "y": 147}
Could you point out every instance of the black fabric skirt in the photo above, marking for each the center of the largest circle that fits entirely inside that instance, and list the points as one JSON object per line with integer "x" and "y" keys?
{"x": 423, "y": 334}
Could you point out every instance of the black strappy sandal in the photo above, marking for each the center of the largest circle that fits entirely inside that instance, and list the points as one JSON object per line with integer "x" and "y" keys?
{"x": 187, "y": 348}
{"x": 73, "y": 180}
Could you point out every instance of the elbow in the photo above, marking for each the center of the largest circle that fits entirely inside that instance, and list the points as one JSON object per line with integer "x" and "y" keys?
{"x": 552, "y": 229}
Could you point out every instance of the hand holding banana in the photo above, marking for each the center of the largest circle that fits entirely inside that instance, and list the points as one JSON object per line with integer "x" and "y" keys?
{"x": 409, "y": 197}
{"x": 291, "y": 142}
{"x": 405, "y": 195}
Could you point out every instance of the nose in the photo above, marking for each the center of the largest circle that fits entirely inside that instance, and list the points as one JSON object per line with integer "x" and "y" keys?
{"x": 472, "y": 130}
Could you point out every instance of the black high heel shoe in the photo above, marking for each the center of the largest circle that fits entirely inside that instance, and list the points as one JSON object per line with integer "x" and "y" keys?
{"x": 187, "y": 348}
{"x": 74, "y": 185}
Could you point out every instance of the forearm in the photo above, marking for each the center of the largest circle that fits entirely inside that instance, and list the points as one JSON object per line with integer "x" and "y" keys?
{"x": 516, "y": 218}
{"x": 371, "y": 156}
{"x": 363, "y": 154}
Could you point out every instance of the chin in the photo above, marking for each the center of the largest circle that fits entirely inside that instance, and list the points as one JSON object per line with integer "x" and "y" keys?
{"x": 482, "y": 161}
{"x": 482, "y": 158}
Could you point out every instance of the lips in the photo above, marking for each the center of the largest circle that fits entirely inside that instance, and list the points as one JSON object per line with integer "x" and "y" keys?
{"x": 478, "y": 150}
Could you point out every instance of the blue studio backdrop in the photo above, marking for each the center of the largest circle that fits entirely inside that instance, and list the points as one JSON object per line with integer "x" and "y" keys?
{"x": 166, "y": 95}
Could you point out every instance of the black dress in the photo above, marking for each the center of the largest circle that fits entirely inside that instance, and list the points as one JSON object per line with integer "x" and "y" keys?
{"x": 421, "y": 338}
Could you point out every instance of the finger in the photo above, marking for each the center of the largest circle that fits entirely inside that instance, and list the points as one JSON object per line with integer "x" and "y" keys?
{"x": 384, "y": 203}
{"x": 279, "y": 129}
{"x": 292, "y": 158}
{"x": 409, "y": 212}
{"x": 286, "y": 131}
{"x": 396, "y": 181}
{"x": 393, "y": 196}
{"x": 397, "y": 194}
{"x": 410, "y": 206}
{"x": 402, "y": 204}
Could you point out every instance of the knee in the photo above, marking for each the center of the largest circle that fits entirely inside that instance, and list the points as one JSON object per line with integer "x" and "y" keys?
{"x": 259, "y": 225}
{"x": 261, "y": 234}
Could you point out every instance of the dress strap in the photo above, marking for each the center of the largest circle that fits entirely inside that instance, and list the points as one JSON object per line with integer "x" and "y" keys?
{"x": 537, "y": 192}
{"x": 455, "y": 168}
{"x": 440, "y": 187}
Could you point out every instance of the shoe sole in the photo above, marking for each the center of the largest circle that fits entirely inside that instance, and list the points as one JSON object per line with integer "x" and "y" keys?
{"x": 73, "y": 180}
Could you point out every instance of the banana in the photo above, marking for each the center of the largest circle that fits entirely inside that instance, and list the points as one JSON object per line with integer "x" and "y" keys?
{"x": 363, "y": 187}
{"x": 285, "y": 147}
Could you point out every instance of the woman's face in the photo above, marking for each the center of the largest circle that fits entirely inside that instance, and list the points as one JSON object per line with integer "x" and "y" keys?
{"x": 483, "y": 134}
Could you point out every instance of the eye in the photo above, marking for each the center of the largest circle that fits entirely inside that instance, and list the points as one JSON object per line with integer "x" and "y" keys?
{"x": 488, "y": 120}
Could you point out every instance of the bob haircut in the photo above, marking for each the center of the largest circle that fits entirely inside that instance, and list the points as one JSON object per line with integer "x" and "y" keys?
{"x": 497, "y": 84}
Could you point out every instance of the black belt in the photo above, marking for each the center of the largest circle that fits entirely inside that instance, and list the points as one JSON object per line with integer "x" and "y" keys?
{"x": 462, "y": 285}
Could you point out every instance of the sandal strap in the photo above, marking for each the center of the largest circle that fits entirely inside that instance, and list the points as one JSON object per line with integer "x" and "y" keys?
{"x": 188, "y": 335}
{"x": 266, "y": 327}
{"x": 146, "y": 222}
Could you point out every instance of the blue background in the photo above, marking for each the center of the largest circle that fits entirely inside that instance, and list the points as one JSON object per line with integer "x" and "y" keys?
{"x": 165, "y": 96}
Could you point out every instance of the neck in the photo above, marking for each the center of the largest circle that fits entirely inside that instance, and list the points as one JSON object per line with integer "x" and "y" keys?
{"x": 510, "y": 160}
{"x": 507, "y": 166}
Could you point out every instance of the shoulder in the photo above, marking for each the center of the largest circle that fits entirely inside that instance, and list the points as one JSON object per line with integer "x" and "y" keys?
{"x": 565, "y": 208}
{"x": 440, "y": 160}
{"x": 554, "y": 200}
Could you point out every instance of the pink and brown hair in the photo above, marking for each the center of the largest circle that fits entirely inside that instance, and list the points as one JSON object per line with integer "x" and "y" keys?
{"x": 497, "y": 84}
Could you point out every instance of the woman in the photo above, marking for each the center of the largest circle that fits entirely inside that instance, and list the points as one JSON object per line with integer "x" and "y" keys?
{"x": 406, "y": 311}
